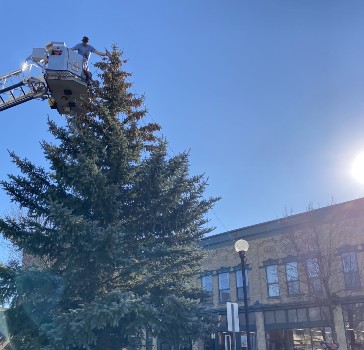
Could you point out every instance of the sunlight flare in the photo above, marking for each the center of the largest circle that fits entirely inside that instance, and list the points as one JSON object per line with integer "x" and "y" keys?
{"x": 357, "y": 168}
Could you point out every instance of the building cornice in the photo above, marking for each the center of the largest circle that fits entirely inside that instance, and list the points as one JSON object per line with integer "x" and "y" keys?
{"x": 330, "y": 214}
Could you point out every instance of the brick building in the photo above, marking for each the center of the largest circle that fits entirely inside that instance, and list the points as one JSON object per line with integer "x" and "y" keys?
{"x": 304, "y": 276}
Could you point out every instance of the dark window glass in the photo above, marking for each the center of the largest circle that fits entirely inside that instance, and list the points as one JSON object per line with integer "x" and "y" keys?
{"x": 351, "y": 272}
{"x": 222, "y": 323}
{"x": 224, "y": 287}
{"x": 292, "y": 315}
{"x": 239, "y": 284}
{"x": 314, "y": 313}
{"x": 354, "y": 325}
{"x": 206, "y": 282}
{"x": 325, "y": 313}
{"x": 301, "y": 315}
{"x": 281, "y": 316}
{"x": 269, "y": 317}
{"x": 251, "y": 318}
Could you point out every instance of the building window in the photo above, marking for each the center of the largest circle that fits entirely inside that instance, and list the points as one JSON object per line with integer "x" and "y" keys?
{"x": 251, "y": 320}
{"x": 313, "y": 271}
{"x": 269, "y": 317}
{"x": 298, "y": 338}
{"x": 272, "y": 280}
{"x": 224, "y": 287}
{"x": 292, "y": 315}
{"x": 222, "y": 323}
{"x": 314, "y": 313}
{"x": 293, "y": 285}
{"x": 281, "y": 316}
{"x": 354, "y": 325}
{"x": 278, "y": 316}
{"x": 239, "y": 284}
{"x": 206, "y": 282}
{"x": 301, "y": 315}
{"x": 351, "y": 272}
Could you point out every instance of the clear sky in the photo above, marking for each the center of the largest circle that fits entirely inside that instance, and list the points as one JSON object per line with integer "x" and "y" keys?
{"x": 268, "y": 95}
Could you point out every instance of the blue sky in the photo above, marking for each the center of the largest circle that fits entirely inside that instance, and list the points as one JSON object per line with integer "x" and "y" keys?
{"x": 268, "y": 96}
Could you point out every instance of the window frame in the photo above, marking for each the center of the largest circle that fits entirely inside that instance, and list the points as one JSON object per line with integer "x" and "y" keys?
{"x": 351, "y": 275}
{"x": 292, "y": 280}
{"x": 203, "y": 285}
{"x": 222, "y": 299}
{"x": 313, "y": 275}
{"x": 272, "y": 285}
{"x": 239, "y": 278}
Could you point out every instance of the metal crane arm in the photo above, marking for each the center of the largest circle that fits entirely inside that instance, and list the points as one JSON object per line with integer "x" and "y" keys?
{"x": 22, "y": 91}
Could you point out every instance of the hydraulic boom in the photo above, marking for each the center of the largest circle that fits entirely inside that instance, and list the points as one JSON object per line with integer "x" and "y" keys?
{"x": 26, "y": 89}
{"x": 61, "y": 80}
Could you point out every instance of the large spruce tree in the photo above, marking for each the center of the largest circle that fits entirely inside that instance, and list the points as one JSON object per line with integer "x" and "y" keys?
{"x": 112, "y": 227}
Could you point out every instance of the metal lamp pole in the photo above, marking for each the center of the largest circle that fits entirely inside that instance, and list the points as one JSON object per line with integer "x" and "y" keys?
{"x": 242, "y": 246}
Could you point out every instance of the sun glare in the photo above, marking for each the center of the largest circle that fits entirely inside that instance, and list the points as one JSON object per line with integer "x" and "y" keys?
{"x": 357, "y": 168}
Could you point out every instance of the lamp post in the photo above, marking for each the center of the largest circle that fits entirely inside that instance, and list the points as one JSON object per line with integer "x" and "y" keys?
{"x": 242, "y": 246}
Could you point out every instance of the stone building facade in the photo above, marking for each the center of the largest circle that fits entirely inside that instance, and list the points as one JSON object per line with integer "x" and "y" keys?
{"x": 305, "y": 281}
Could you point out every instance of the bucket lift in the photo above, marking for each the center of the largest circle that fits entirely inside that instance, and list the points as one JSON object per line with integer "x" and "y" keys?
{"x": 60, "y": 79}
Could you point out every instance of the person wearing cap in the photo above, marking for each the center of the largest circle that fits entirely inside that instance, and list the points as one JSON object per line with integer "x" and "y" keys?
{"x": 85, "y": 50}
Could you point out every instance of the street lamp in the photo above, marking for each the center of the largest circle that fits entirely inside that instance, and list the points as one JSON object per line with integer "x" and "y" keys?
{"x": 242, "y": 246}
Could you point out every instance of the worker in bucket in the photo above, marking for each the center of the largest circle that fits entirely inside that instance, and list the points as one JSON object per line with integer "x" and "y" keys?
{"x": 85, "y": 50}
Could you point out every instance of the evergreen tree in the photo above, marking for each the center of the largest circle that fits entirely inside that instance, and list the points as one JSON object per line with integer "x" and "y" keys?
{"x": 113, "y": 225}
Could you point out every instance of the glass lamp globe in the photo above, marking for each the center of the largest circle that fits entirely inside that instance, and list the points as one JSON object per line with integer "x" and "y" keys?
{"x": 241, "y": 245}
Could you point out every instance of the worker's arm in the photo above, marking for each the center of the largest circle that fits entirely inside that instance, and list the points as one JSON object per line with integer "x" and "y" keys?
{"x": 102, "y": 53}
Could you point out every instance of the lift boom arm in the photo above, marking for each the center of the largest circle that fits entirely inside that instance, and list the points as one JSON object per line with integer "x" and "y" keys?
{"x": 61, "y": 80}
{"x": 25, "y": 89}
